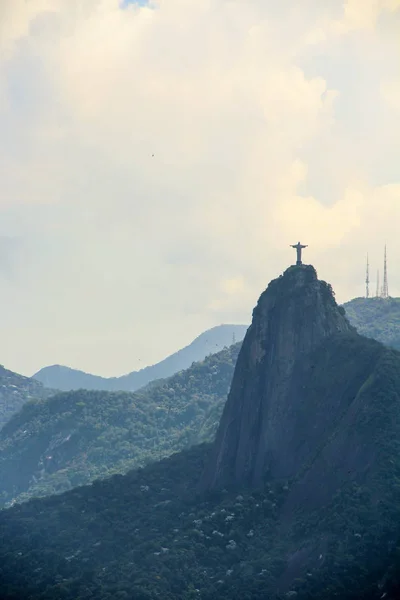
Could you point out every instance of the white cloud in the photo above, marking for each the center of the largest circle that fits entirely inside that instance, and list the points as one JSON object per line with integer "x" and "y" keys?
{"x": 157, "y": 162}
{"x": 391, "y": 93}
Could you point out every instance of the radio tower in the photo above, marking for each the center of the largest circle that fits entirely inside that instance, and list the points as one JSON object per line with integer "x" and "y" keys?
{"x": 367, "y": 280}
{"x": 377, "y": 285}
{"x": 385, "y": 287}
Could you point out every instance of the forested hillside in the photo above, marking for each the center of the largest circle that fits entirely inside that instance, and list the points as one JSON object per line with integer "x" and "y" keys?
{"x": 377, "y": 318}
{"x": 15, "y": 390}
{"x": 323, "y": 532}
{"x": 148, "y": 535}
{"x": 75, "y": 437}
{"x": 328, "y": 529}
{"x": 94, "y": 434}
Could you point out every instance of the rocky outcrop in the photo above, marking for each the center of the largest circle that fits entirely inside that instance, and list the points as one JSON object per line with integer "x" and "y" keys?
{"x": 259, "y": 429}
{"x": 314, "y": 408}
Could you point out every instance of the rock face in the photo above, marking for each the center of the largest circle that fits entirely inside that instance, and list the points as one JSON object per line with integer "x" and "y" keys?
{"x": 260, "y": 430}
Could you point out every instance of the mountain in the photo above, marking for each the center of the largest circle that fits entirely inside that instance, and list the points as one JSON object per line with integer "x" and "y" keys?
{"x": 260, "y": 428}
{"x": 15, "y": 390}
{"x": 75, "y": 437}
{"x": 373, "y": 317}
{"x": 377, "y": 318}
{"x": 209, "y": 342}
{"x": 308, "y": 511}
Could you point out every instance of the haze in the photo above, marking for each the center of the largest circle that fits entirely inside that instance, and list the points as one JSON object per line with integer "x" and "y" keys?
{"x": 157, "y": 161}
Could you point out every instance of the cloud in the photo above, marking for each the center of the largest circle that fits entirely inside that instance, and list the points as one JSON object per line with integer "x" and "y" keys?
{"x": 157, "y": 161}
{"x": 356, "y": 16}
{"x": 391, "y": 94}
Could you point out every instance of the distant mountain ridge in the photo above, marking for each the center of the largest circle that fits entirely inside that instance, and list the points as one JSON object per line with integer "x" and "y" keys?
{"x": 210, "y": 342}
{"x": 372, "y": 317}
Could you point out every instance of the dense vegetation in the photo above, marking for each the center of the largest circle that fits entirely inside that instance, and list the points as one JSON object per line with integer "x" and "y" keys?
{"x": 15, "y": 390}
{"x": 75, "y": 437}
{"x": 149, "y": 535}
{"x": 94, "y": 434}
{"x": 142, "y": 536}
{"x": 209, "y": 342}
{"x": 377, "y": 318}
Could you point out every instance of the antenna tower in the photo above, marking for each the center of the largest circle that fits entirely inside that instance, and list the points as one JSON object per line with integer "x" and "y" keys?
{"x": 367, "y": 280}
{"x": 377, "y": 284}
{"x": 385, "y": 287}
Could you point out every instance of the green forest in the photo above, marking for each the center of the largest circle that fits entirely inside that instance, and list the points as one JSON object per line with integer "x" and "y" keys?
{"x": 75, "y": 437}
{"x": 72, "y": 438}
{"x": 150, "y": 534}
{"x": 15, "y": 391}
{"x": 378, "y": 318}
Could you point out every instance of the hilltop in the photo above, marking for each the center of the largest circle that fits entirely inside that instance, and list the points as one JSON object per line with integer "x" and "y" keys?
{"x": 309, "y": 512}
{"x": 263, "y": 425}
{"x": 209, "y": 342}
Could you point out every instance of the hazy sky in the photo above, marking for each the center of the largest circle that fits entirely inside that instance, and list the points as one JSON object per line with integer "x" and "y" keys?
{"x": 270, "y": 122}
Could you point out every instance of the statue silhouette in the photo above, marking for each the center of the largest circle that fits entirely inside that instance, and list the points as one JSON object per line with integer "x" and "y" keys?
{"x": 299, "y": 247}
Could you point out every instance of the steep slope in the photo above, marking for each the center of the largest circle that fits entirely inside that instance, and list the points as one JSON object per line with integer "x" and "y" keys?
{"x": 377, "y": 318}
{"x": 15, "y": 390}
{"x": 313, "y": 403}
{"x": 74, "y": 437}
{"x": 148, "y": 534}
{"x": 209, "y": 342}
{"x": 308, "y": 512}
{"x": 292, "y": 318}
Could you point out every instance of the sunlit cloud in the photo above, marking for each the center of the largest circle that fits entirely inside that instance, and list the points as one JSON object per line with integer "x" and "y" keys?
{"x": 157, "y": 159}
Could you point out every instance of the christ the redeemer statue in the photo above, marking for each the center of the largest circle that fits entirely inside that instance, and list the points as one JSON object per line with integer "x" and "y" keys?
{"x": 299, "y": 247}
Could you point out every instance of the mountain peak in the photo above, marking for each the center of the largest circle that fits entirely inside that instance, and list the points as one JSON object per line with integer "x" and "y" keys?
{"x": 292, "y": 318}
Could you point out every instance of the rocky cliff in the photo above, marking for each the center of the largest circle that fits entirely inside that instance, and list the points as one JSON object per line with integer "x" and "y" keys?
{"x": 260, "y": 429}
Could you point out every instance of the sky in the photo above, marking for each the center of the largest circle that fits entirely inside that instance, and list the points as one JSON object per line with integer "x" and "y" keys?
{"x": 157, "y": 160}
